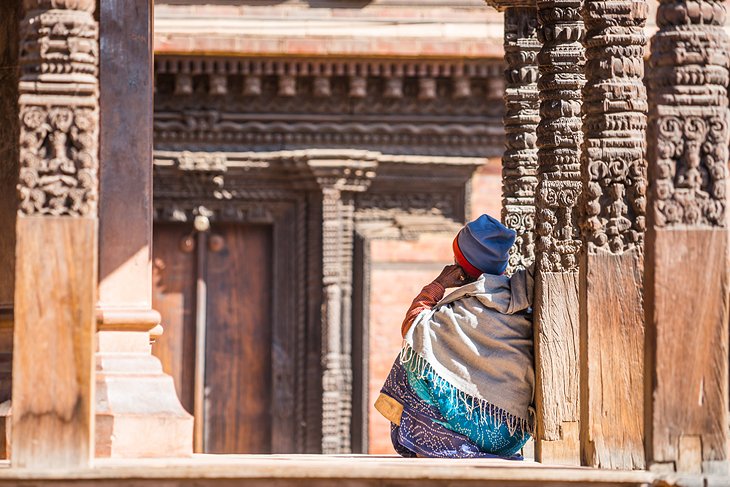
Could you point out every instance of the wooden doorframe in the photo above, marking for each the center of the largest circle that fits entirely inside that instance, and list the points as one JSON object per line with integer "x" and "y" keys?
{"x": 289, "y": 324}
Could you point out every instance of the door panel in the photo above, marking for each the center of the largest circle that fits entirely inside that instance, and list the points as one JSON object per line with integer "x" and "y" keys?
{"x": 238, "y": 363}
{"x": 173, "y": 295}
{"x": 237, "y": 268}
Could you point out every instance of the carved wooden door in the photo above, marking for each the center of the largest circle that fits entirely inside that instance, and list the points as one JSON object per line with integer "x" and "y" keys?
{"x": 213, "y": 289}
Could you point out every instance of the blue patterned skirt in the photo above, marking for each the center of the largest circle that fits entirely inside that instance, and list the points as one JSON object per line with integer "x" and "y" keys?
{"x": 435, "y": 423}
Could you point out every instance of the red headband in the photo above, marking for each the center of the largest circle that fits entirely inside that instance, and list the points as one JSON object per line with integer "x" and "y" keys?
{"x": 465, "y": 264}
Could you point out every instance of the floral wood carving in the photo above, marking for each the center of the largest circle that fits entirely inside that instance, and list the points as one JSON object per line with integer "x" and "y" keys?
{"x": 58, "y": 162}
{"x": 688, "y": 115}
{"x": 559, "y": 135}
{"x": 519, "y": 162}
{"x": 59, "y": 121}
{"x": 614, "y": 106}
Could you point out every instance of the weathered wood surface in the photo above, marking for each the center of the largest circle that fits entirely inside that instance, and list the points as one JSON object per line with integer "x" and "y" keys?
{"x": 53, "y": 367}
{"x": 559, "y": 139}
{"x": 687, "y": 348}
{"x": 612, "y": 360}
{"x": 557, "y": 394}
{"x": 686, "y": 294}
{"x": 174, "y": 297}
{"x": 238, "y": 363}
{"x": 125, "y": 151}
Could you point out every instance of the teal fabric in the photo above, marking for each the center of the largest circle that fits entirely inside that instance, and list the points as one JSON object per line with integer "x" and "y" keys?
{"x": 491, "y": 435}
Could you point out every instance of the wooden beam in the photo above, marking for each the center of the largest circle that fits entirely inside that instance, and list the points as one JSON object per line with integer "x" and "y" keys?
{"x": 559, "y": 139}
{"x": 613, "y": 225}
{"x": 56, "y": 245}
{"x": 686, "y": 402}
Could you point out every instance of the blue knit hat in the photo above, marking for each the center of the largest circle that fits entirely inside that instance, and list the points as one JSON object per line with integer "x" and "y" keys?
{"x": 482, "y": 246}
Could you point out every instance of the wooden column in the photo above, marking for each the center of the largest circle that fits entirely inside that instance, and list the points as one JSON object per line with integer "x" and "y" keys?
{"x": 56, "y": 246}
{"x": 9, "y": 146}
{"x": 613, "y": 225}
{"x": 522, "y": 114}
{"x": 686, "y": 294}
{"x": 339, "y": 180}
{"x": 559, "y": 139}
{"x": 135, "y": 399}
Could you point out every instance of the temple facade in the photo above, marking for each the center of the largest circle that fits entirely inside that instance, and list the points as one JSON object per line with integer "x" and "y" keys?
{"x": 229, "y": 309}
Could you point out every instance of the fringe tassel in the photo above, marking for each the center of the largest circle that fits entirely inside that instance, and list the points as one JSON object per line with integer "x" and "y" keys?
{"x": 418, "y": 365}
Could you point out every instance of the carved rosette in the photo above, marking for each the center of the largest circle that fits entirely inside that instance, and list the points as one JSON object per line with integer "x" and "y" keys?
{"x": 559, "y": 134}
{"x": 615, "y": 106}
{"x": 519, "y": 162}
{"x": 688, "y": 115}
{"x": 59, "y": 118}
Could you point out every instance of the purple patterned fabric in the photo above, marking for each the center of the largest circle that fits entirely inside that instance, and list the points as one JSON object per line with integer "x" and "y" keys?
{"x": 421, "y": 431}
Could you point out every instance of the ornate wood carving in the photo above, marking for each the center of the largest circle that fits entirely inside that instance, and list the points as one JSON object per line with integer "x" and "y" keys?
{"x": 394, "y": 106}
{"x": 519, "y": 162}
{"x": 559, "y": 139}
{"x": 613, "y": 224}
{"x": 687, "y": 235}
{"x": 58, "y": 109}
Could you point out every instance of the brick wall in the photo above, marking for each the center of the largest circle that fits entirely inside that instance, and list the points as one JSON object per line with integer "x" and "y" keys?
{"x": 399, "y": 270}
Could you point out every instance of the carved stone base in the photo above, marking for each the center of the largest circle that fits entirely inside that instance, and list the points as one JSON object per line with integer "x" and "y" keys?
{"x": 136, "y": 400}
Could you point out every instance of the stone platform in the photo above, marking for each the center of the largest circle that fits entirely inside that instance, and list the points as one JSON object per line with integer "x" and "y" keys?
{"x": 326, "y": 471}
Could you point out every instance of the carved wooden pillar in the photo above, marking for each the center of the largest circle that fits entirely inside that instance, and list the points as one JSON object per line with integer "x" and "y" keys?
{"x": 686, "y": 293}
{"x": 559, "y": 139}
{"x": 613, "y": 225}
{"x": 519, "y": 162}
{"x": 56, "y": 246}
{"x": 339, "y": 180}
{"x": 135, "y": 398}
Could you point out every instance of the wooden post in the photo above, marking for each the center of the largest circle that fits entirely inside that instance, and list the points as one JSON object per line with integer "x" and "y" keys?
{"x": 56, "y": 246}
{"x": 519, "y": 162}
{"x": 559, "y": 139}
{"x": 9, "y": 148}
{"x": 613, "y": 226}
{"x": 686, "y": 296}
{"x": 135, "y": 399}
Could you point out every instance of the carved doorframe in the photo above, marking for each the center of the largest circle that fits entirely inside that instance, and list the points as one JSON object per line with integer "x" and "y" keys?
{"x": 285, "y": 211}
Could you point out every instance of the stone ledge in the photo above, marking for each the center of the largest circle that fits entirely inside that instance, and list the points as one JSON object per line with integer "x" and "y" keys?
{"x": 326, "y": 470}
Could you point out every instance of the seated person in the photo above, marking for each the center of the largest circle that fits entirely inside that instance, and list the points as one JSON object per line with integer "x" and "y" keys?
{"x": 463, "y": 384}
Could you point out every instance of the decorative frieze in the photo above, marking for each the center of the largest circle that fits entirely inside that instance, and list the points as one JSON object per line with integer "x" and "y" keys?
{"x": 59, "y": 118}
{"x": 519, "y": 162}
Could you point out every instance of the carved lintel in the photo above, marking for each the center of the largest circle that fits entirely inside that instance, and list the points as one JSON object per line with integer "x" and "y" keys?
{"x": 519, "y": 162}
{"x": 58, "y": 103}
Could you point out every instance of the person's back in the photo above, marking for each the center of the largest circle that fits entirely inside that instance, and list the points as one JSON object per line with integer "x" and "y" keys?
{"x": 463, "y": 384}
